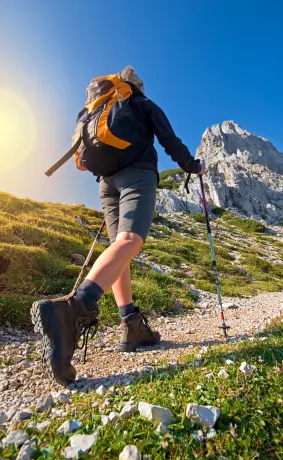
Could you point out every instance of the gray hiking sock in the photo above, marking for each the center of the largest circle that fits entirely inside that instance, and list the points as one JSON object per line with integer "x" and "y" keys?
{"x": 126, "y": 310}
{"x": 89, "y": 292}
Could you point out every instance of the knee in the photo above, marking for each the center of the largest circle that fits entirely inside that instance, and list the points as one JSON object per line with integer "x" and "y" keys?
{"x": 132, "y": 239}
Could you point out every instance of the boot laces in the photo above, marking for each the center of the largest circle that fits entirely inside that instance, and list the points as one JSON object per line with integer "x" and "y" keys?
{"x": 84, "y": 328}
{"x": 146, "y": 322}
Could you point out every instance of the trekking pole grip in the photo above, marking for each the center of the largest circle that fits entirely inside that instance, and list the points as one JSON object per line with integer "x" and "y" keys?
{"x": 188, "y": 178}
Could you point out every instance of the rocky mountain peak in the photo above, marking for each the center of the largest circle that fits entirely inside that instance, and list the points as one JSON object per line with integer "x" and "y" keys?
{"x": 229, "y": 139}
{"x": 244, "y": 172}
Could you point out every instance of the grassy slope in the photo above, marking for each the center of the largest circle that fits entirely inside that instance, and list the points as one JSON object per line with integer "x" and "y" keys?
{"x": 250, "y": 423}
{"x": 37, "y": 239}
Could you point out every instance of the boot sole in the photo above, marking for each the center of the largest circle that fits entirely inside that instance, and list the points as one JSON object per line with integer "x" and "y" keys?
{"x": 132, "y": 346}
{"x": 41, "y": 317}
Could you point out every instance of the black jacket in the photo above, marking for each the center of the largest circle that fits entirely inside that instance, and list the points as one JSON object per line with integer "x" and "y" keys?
{"x": 153, "y": 121}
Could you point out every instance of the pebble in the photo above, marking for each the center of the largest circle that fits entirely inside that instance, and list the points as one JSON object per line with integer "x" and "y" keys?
{"x": 128, "y": 410}
{"x": 223, "y": 373}
{"x": 203, "y": 415}
{"x": 61, "y": 397}
{"x": 70, "y": 426}
{"x": 70, "y": 453}
{"x": 198, "y": 436}
{"x": 44, "y": 403}
{"x": 104, "y": 420}
{"x": 156, "y": 413}
{"x": 17, "y": 437}
{"x": 130, "y": 453}
{"x": 101, "y": 390}
{"x": 113, "y": 417}
{"x": 209, "y": 376}
{"x": 229, "y": 362}
{"x": 230, "y": 306}
{"x": 3, "y": 417}
{"x": 245, "y": 368}
{"x": 26, "y": 450}
{"x": 22, "y": 415}
{"x": 17, "y": 359}
{"x": 42, "y": 425}
{"x": 162, "y": 428}
{"x": 81, "y": 443}
{"x": 211, "y": 433}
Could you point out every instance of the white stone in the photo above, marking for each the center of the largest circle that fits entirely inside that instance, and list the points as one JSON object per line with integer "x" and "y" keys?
{"x": 42, "y": 425}
{"x": 229, "y": 362}
{"x": 203, "y": 415}
{"x": 128, "y": 410}
{"x": 158, "y": 413}
{"x": 210, "y": 434}
{"x": 60, "y": 396}
{"x": 114, "y": 417}
{"x": 17, "y": 437}
{"x": 209, "y": 376}
{"x": 70, "y": 453}
{"x": 81, "y": 443}
{"x": 43, "y": 403}
{"x": 27, "y": 450}
{"x": 22, "y": 415}
{"x": 130, "y": 453}
{"x": 198, "y": 435}
{"x": 245, "y": 368}
{"x": 70, "y": 426}
{"x": 162, "y": 428}
{"x": 101, "y": 390}
{"x": 104, "y": 420}
{"x": 3, "y": 417}
{"x": 223, "y": 373}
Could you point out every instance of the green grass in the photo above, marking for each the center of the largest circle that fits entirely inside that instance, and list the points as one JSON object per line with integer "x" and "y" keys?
{"x": 245, "y": 225}
{"x": 166, "y": 179}
{"x": 37, "y": 240}
{"x": 250, "y": 425}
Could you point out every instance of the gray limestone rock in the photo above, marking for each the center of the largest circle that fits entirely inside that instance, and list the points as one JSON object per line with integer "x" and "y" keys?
{"x": 203, "y": 415}
{"x": 130, "y": 453}
{"x": 244, "y": 172}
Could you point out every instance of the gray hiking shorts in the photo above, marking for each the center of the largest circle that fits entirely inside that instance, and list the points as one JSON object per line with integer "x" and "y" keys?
{"x": 128, "y": 199}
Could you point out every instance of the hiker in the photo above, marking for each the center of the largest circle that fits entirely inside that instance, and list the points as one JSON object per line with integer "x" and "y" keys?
{"x": 128, "y": 200}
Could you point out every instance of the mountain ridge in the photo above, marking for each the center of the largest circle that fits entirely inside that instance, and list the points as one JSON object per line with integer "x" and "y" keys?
{"x": 244, "y": 172}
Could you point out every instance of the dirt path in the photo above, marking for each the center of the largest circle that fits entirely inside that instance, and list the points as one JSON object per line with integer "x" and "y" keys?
{"x": 21, "y": 383}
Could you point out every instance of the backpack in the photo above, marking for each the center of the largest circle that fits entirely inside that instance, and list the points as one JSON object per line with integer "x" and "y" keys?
{"x": 107, "y": 137}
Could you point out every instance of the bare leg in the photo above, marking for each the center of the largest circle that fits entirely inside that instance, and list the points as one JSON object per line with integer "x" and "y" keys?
{"x": 112, "y": 263}
{"x": 122, "y": 289}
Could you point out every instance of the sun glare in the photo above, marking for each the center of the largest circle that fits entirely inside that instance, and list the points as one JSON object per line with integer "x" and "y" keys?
{"x": 17, "y": 130}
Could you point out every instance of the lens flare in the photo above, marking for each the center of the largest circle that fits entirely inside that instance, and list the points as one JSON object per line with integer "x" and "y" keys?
{"x": 17, "y": 130}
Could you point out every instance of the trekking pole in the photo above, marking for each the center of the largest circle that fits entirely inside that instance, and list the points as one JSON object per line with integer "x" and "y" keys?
{"x": 84, "y": 267}
{"x": 223, "y": 326}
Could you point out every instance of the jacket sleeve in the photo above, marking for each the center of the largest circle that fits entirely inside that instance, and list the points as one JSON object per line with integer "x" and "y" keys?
{"x": 173, "y": 146}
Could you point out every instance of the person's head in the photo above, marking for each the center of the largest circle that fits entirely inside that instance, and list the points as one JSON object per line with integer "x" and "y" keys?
{"x": 129, "y": 74}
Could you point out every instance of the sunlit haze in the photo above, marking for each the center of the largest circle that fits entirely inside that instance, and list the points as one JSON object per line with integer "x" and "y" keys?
{"x": 17, "y": 130}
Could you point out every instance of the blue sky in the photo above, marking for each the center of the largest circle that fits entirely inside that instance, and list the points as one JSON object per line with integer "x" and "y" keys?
{"x": 202, "y": 61}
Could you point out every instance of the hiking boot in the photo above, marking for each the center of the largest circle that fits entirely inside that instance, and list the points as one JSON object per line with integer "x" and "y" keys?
{"x": 136, "y": 332}
{"x": 61, "y": 322}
